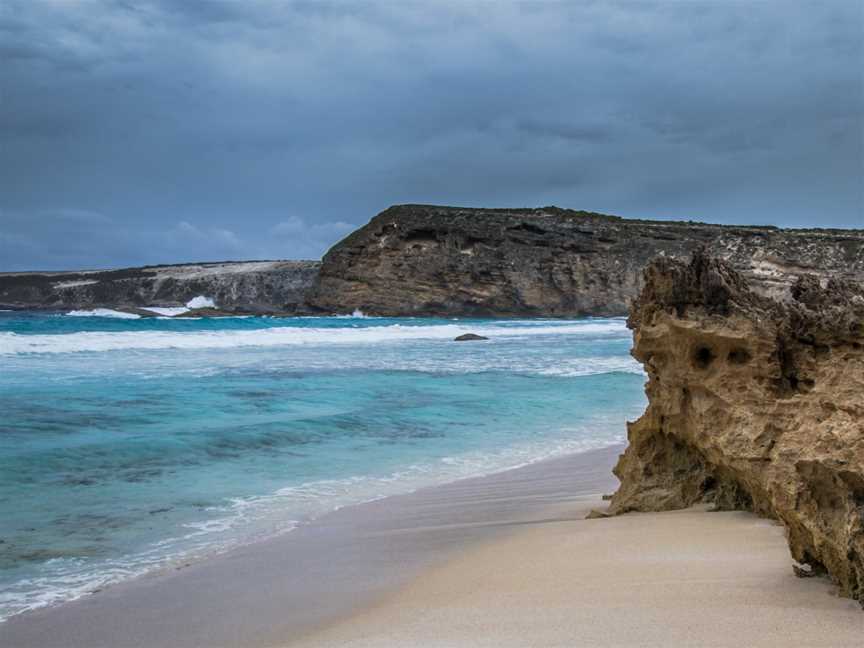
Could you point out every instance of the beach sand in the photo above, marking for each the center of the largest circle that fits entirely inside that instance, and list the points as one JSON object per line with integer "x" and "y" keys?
{"x": 502, "y": 560}
{"x": 688, "y": 578}
{"x": 264, "y": 593}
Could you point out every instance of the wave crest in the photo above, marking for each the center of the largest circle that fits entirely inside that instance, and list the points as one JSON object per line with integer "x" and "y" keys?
{"x": 102, "y": 312}
{"x": 96, "y": 341}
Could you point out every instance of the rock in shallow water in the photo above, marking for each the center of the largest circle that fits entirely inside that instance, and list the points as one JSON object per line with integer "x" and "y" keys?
{"x": 754, "y": 403}
{"x": 469, "y": 337}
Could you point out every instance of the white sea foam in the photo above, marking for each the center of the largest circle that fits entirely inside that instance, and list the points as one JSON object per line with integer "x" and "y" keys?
{"x": 357, "y": 314}
{"x": 167, "y": 311}
{"x": 572, "y": 367}
{"x": 525, "y": 364}
{"x": 200, "y": 302}
{"x": 94, "y": 341}
{"x": 102, "y": 312}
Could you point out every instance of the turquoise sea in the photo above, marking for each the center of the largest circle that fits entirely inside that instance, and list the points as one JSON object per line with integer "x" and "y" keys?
{"x": 131, "y": 445}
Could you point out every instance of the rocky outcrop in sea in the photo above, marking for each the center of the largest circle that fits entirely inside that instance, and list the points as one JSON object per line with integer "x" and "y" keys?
{"x": 756, "y": 402}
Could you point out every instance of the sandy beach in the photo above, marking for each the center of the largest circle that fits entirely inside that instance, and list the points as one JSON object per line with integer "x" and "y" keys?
{"x": 686, "y": 578}
{"x": 274, "y": 591}
{"x": 502, "y": 560}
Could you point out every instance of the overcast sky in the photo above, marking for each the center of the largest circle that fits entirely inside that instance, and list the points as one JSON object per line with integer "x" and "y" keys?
{"x": 163, "y": 131}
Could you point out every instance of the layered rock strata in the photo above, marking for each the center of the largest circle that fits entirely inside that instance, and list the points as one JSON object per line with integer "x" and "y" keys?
{"x": 254, "y": 286}
{"x": 425, "y": 260}
{"x": 452, "y": 261}
{"x": 755, "y": 403}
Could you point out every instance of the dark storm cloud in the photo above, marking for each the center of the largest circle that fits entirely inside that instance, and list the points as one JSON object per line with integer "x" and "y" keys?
{"x": 142, "y": 132}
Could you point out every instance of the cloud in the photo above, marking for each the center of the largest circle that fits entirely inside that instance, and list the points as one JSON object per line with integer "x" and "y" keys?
{"x": 228, "y": 116}
{"x": 311, "y": 240}
{"x": 63, "y": 238}
{"x": 192, "y": 238}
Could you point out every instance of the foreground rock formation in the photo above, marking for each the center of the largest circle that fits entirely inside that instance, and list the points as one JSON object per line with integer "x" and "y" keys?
{"x": 428, "y": 260}
{"x": 254, "y": 286}
{"x": 755, "y": 402}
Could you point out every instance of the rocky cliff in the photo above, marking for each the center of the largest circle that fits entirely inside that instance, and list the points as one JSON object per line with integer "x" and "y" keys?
{"x": 255, "y": 286}
{"x": 450, "y": 261}
{"x": 754, "y": 403}
{"x": 427, "y": 260}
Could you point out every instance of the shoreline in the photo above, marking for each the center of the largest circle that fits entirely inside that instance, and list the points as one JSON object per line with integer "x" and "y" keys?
{"x": 182, "y": 562}
{"x": 506, "y": 559}
{"x": 320, "y": 572}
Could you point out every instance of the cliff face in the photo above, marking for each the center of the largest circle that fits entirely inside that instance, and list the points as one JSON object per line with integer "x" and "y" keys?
{"x": 256, "y": 286}
{"x": 449, "y": 261}
{"x": 426, "y": 260}
{"x": 754, "y": 403}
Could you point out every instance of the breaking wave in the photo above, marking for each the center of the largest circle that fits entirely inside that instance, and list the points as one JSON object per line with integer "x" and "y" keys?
{"x": 102, "y": 312}
{"x": 96, "y": 341}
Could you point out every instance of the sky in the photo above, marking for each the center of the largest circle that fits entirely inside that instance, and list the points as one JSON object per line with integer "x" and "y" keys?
{"x": 135, "y": 132}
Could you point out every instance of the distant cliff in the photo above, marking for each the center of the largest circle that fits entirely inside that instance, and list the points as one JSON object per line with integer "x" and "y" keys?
{"x": 254, "y": 286}
{"x": 427, "y": 260}
{"x": 451, "y": 261}
{"x": 753, "y": 403}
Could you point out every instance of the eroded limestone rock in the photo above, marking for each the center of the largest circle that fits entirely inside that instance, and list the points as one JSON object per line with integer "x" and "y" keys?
{"x": 754, "y": 403}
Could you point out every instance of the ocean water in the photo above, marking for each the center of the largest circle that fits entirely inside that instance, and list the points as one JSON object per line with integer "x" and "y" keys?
{"x": 132, "y": 445}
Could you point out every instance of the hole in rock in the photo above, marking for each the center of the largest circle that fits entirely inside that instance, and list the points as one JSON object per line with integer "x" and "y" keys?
{"x": 709, "y": 484}
{"x": 703, "y": 357}
{"x": 739, "y": 356}
{"x": 421, "y": 236}
{"x": 527, "y": 227}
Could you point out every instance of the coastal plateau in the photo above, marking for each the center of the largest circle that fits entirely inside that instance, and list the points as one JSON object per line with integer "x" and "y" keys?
{"x": 552, "y": 262}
